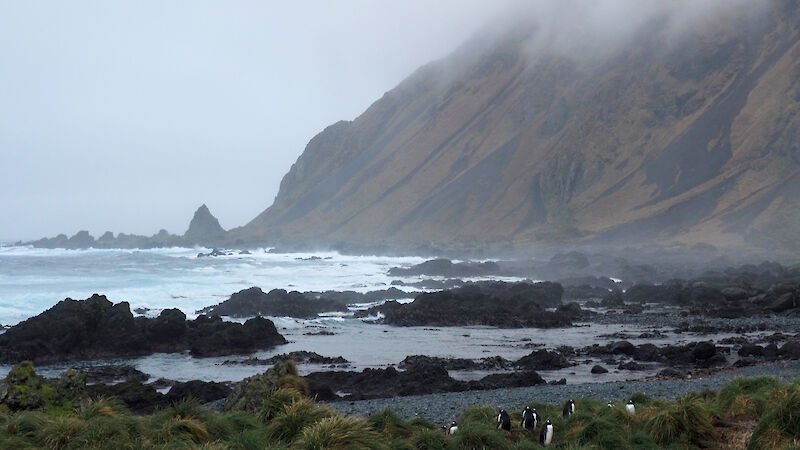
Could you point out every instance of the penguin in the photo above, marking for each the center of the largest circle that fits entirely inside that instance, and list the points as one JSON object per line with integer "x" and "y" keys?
{"x": 569, "y": 408}
{"x": 530, "y": 418}
{"x": 630, "y": 407}
{"x": 546, "y": 435}
{"x": 610, "y": 405}
{"x": 503, "y": 421}
{"x": 452, "y": 428}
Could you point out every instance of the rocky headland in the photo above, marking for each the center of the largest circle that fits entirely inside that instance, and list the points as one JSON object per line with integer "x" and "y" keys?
{"x": 96, "y": 328}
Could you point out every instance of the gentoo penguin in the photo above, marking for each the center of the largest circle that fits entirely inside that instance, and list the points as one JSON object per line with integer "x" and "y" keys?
{"x": 452, "y": 428}
{"x": 630, "y": 408}
{"x": 610, "y": 405}
{"x": 530, "y": 418}
{"x": 503, "y": 420}
{"x": 569, "y": 408}
{"x": 546, "y": 435}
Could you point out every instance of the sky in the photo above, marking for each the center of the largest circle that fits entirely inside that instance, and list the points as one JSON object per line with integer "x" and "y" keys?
{"x": 128, "y": 115}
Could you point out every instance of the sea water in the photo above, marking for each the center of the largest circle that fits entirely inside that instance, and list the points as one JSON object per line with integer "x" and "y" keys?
{"x": 32, "y": 280}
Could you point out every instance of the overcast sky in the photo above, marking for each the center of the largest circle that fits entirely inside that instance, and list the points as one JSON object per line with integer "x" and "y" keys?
{"x": 126, "y": 116}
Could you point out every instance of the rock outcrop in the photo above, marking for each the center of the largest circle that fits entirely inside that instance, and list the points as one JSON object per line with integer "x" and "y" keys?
{"x": 508, "y": 305}
{"x": 96, "y": 328}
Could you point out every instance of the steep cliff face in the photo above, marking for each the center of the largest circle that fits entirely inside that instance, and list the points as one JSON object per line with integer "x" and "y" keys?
{"x": 696, "y": 139}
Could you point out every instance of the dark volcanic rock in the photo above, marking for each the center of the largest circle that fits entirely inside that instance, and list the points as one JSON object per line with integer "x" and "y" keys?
{"x": 95, "y": 328}
{"x": 138, "y": 397}
{"x": 300, "y": 357}
{"x": 489, "y": 363}
{"x": 542, "y": 360}
{"x": 113, "y": 374}
{"x": 599, "y": 369}
{"x": 631, "y": 365}
{"x": 751, "y": 350}
{"x": 204, "y": 391}
{"x": 622, "y": 347}
{"x": 510, "y": 305}
{"x": 419, "y": 379}
{"x": 376, "y": 383}
{"x": 790, "y": 350}
{"x": 446, "y": 268}
{"x": 277, "y": 302}
{"x": 507, "y": 380}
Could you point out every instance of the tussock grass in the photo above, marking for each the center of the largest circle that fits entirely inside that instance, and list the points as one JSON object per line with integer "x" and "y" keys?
{"x": 780, "y": 424}
{"x": 746, "y": 397}
{"x": 288, "y": 425}
{"x": 479, "y": 435}
{"x": 276, "y": 402}
{"x": 337, "y": 432}
{"x": 389, "y": 424}
{"x": 429, "y": 440}
{"x": 291, "y": 421}
{"x": 103, "y": 407}
{"x": 687, "y": 420}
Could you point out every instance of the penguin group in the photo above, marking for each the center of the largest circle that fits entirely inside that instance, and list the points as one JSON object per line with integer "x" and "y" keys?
{"x": 531, "y": 419}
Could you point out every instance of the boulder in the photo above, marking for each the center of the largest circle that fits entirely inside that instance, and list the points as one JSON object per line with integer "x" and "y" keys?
{"x": 790, "y": 350}
{"x": 203, "y": 391}
{"x": 622, "y": 347}
{"x": 542, "y": 360}
{"x": 597, "y": 369}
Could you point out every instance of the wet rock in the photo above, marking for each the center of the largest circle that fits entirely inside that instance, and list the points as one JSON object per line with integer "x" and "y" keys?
{"x": 599, "y": 369}
{"x": 508, "y": 305}
{"x": 507, "y": 380}
{"x": 614, "y": 299}
{"x": 790, "y": 350}
{"x": 542, "y": 360}
{"x": 300, "y": 357}
{"x": 784, "y": 302}
{"x": 204, "y": 391}
{"x": 622, "y": 347}
{"x": 113, "y": 374}
{"x": 446, "y": 268}
{"x": 751, "y": 350}
{"x": 631, "y": 365}
{"x": 95, "y": 328}
{"x": 670, "y": 372}
{"x": 139, "y": 398}
{"x": 646, "y": 352}
{"x": 277, "y": 302}
{"x": 704, "y": 350}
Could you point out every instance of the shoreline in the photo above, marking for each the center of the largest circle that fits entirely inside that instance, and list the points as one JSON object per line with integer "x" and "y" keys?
{"x": 445, "y": 407}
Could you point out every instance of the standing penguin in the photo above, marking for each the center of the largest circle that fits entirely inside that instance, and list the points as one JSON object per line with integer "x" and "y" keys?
{"x": 452, "y": 428}
{"x": 569, "y": 408}
{"x": 546, "y": 435}
{"x": 630, "y": 407}
{"x": 530, "y": 419}
{"x": 503, "y": 420}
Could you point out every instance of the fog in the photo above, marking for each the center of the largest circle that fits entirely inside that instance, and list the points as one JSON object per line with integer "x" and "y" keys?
{"x": 126, "y": 116}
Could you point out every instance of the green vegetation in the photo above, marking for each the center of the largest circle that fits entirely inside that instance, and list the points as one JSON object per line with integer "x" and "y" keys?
{"x": 765, "y": 413}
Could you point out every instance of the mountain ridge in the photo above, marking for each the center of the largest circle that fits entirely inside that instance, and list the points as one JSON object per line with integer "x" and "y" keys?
{"x": 692, "y": 143}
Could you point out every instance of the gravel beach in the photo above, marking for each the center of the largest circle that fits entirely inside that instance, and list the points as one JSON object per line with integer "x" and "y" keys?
{"x": 441, "y": 408}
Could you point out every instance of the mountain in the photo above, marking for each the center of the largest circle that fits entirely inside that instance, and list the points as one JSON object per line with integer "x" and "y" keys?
{"x": 689, "y": 136}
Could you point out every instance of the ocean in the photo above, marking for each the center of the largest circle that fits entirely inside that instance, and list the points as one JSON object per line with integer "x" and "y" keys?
{"x": 32, "y": 280}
